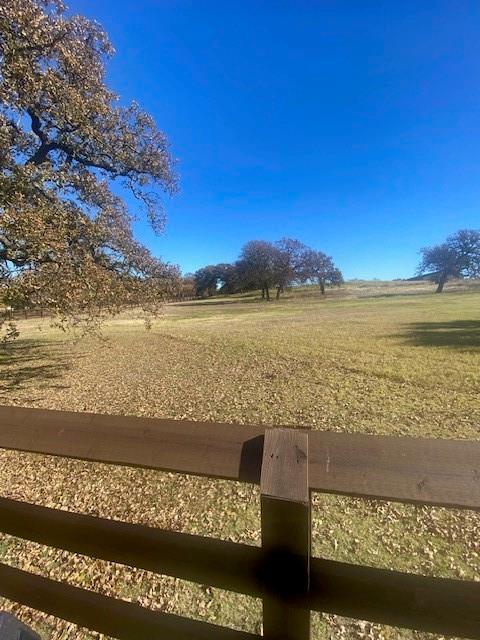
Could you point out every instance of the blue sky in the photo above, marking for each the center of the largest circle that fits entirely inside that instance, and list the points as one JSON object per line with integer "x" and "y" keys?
{"x": 352, "y": 126}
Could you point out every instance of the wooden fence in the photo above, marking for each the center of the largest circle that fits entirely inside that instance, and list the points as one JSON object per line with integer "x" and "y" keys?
{"x": 288, "y": 464}
{"x": 28, "y": 313}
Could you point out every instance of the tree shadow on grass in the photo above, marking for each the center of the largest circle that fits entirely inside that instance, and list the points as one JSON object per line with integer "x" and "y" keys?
{"x": 32, "y": 360}
{"x": 216, "y": 303}
{"x": 455, "y": 334}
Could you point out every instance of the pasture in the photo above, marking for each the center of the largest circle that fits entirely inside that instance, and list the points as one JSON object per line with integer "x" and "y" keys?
{"x": 385, "y": 358}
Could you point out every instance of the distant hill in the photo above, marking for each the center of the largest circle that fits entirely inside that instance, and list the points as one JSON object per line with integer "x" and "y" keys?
{"x": 425, "y": 276}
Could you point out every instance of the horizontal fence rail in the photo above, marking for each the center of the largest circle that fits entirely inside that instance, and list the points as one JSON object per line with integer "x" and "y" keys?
{"x": 117, "y": 618}
{"x": 444, "y": 473}
{"x": 436, "y": 605}
{"x": 335, "y": 587}
{"x": 402, "y": 469}
{"x": 218, "y": 563}
{"x": 287, "y": 464}
{"x": 231, "y": 452}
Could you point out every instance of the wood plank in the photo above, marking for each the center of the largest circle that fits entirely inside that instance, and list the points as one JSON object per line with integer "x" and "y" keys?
{"x": 115, "y": 618}
{"x": 218, "y": 563}
{"x": 415, "y": 470}
{"x": 286, "y": 530}
{"x": 436, "y": 605}
{"x": 225, "y": 451}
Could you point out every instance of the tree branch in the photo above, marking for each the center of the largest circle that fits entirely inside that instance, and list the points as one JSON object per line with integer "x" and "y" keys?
{"x": 42, "y": 48}
{"x": 46, "y": 146}
{"x": 37, "y": 126}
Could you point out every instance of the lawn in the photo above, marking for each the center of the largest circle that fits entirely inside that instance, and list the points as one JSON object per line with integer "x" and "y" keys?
{"x": 387, "y": 358}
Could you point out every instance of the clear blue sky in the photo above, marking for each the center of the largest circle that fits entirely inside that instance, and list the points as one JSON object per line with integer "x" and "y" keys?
{"x": 353, "y": 126}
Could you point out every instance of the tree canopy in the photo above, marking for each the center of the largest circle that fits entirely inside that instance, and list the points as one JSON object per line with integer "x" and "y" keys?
{"x": 290, "y": 257}
{"x": 265, "y": 265}
{"x": 66, "y": 240}
{"x": 317, "y": 267}
{"x": 258, "y": 266}
{"x": 457, "y": 257}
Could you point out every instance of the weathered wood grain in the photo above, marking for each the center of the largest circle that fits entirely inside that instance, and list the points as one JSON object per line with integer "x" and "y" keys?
{"x": 414, "y": 470}
{"x": 200, "y": 448}
{"x": 286, "y": 528}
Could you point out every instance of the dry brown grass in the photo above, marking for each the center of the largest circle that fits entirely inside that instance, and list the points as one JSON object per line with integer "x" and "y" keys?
{"x": 375, "y": 358}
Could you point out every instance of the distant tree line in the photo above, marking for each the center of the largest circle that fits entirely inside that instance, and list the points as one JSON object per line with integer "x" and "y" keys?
{"x": 268, "y": 266}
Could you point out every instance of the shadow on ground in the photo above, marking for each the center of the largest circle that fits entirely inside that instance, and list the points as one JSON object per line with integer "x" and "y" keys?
{"x": 29, "y": 360}
{"x": 216, "y": 303}
{"x": 460, "y": 334}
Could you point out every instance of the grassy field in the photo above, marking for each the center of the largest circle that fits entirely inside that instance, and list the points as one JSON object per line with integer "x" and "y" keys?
{"x": 388, "y": 358}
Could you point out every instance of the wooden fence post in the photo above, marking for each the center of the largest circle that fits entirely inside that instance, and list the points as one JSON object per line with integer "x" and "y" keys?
{"x": 286, "y": 534}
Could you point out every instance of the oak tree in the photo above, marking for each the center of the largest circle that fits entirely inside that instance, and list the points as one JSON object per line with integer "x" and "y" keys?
{"x": 68, "y": 148}
{"x": 206, "y": 280}
{"x": 289, "y": 263}
{"x": 458, "y": 256}
{"x": 258, "y": 265}
{"x": 320, "y": 268}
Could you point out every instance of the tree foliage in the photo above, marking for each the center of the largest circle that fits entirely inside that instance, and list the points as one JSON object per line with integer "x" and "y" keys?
{"x": 258, "y": 265}
{"x": 217, "y": 278}
{"x": 264, "y": 265}
{"x": 65, "y": 235}
{"x": 457, "y": 257}
{"x": 289, "y": 263}
{"x": 318, "y": 267}
{"x": 206, "y": 280}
